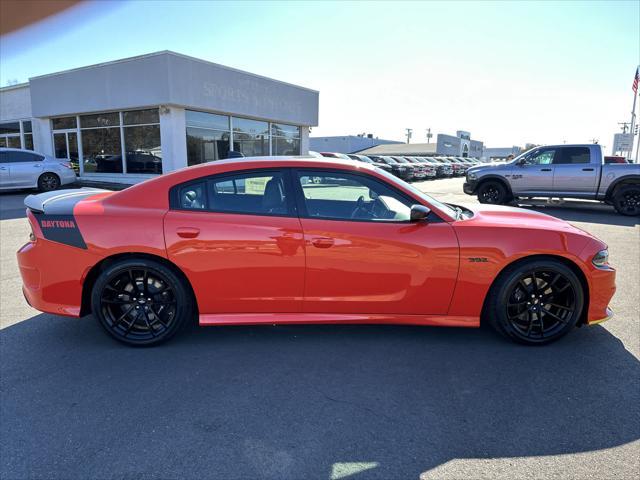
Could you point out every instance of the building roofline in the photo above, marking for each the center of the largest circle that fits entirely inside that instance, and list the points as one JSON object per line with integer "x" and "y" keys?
{"x": 167, "y": 52}
{"x": 14, "y": 87}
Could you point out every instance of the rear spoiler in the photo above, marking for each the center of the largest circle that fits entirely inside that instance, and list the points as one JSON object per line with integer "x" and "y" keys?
{"x": 59, "y": 202}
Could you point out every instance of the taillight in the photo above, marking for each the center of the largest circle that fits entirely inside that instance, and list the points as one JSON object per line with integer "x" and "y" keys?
{"x": 67, "y": 165}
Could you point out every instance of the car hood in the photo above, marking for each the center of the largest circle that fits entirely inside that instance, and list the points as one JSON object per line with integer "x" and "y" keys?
{"x": 501, "y": 216}
{"x": 489, "y": 166}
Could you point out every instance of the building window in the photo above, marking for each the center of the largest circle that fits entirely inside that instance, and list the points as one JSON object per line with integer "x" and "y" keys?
{"x": 142, "y": 141}
{"x": 285, "y": 139}
{"x": 27, "y": 135}
{"x": 112, "y": 142}
{"x": 250, "y": 137}
{"x": 11, "y": 136}
{"x": 101, "y": 143}
{"x": 208, "y": 137}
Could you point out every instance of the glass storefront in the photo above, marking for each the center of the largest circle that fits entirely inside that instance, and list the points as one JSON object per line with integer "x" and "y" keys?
{"x": 112, "y": 142}
{"x": 11, "y": 137}
{"x": 210, "y": 135}
{"x": 285, "y": 139}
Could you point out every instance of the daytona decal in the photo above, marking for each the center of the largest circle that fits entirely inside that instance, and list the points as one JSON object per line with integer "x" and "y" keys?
{"x": 61, "y": 229}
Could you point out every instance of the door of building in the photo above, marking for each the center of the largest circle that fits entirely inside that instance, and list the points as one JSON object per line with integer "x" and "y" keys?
{"x": 65, "y": 145}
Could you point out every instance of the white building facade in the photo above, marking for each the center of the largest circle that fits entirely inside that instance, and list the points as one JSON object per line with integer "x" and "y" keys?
{"x": 135, "y": 118}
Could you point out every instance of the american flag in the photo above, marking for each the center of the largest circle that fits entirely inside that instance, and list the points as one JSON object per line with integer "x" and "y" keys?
{"x": 636, "y": 79}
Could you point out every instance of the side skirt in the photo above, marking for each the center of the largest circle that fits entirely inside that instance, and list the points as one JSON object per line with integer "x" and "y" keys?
{"x": 211, "y": 319}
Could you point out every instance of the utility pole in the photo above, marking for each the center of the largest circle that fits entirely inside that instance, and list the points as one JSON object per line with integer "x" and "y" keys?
{"x": 429, "y": 135}
{"x": 408, "y": 134}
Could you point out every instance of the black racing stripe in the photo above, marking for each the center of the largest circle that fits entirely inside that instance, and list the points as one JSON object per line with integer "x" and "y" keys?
{"x": 61, "y": 229}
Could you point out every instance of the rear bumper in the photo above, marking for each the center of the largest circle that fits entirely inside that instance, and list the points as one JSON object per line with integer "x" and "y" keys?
{"x": 51, "y": 279}
{"x": 67, "y": 176}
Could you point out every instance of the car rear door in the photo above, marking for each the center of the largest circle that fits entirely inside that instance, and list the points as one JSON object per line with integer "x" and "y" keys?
{"x": 534, "y": 175}
{"x": 239, "y": 241}
{"x": 5, "y": 177}
{"x": 362, "y": 260}
{"x": 574, "y": 173}
{"x": 24, "y": 168}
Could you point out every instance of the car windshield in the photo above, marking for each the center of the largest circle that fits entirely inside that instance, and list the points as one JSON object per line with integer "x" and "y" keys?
{"x": 427, "y": 198}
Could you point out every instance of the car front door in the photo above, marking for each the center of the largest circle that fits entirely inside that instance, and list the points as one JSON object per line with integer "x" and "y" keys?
{"x": 364, "y": 256}
{"x": 533, "y": 175}
{"x": 239, "y": 241}
{"x": 24, "y": 168}
{"x": 574, "y": 174}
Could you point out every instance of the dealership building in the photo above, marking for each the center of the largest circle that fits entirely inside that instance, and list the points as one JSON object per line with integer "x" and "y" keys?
{"x": 132, "y": 119}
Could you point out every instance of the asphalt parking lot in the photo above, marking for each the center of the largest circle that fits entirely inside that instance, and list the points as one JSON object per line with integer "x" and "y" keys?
{"x": 326, "y": 402}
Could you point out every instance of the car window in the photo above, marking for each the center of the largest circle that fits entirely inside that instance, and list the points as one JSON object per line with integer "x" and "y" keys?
{"x": 22, "y": 157}
{"x": 541, "y": 157}
{"x": 571, "y": 155}
{"x": 345, "y": 196}
{"x": 192, "y": 196}
{"x": 259, "y": 193}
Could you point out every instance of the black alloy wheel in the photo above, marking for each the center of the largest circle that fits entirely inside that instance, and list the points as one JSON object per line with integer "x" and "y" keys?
{"x": 626, "y": 201}
{"x": 536, "y": 302}
{"x": 141, "y": 302}
{"x": 492, "y": 193}
{"x": 48, "y": 181}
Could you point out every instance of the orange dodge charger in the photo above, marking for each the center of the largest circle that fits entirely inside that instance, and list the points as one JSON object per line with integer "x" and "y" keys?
{"x": 305, "y": 240}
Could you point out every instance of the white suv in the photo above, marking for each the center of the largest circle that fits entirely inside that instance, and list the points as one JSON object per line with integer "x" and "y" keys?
{"x": 26, "y": 169}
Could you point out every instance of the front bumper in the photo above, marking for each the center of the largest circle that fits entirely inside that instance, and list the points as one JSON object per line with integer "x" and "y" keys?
{"x": 470, "y": 187}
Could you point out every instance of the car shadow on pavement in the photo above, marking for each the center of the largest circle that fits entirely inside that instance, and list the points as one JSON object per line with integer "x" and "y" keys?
{"x": 588, "y": 212}
{"x": 302, "y": 401}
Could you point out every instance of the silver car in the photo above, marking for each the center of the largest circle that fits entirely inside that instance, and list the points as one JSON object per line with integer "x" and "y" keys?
{"x": 26, "y": 169}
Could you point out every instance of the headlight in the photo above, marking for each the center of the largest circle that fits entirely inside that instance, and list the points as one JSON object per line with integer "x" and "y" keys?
{"x": 471, "y": 176}
{"x": 601, "y": 259}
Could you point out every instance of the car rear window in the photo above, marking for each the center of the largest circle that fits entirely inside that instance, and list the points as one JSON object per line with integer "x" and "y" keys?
{"x": 573, "y": 155}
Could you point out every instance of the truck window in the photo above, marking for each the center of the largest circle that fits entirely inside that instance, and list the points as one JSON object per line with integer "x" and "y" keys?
{"x": 571, "y": 155}
{"x": 541, "y": 157}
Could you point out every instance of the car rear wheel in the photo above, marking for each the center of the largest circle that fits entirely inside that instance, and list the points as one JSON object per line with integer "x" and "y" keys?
{"x": 141, "y": 302}
{"x": 535, "y": 302}
{"x": 492, "y": 193}
{"x": 48, "y": 181}
{"x": 626, "y": 201}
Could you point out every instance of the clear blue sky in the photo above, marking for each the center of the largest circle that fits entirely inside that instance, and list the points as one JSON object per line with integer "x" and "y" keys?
{"x": 509, "y": 72}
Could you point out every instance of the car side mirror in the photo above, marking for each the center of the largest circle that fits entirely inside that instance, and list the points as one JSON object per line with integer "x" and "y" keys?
{"x": 419, "y": 213}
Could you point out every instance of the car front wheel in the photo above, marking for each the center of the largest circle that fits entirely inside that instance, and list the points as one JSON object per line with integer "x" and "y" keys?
{"x": 492, "y": 193}
{"x": 535, "y": 302}
{"x": 141, "y": 302}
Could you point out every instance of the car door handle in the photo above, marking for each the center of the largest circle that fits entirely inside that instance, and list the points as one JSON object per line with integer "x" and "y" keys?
{"x": 545, "y": 169}
{"x": 322, "y": 242}
{"x": 37, "y": 166}
{"x": 188, "y": 232}
{"x": 3, "y": 168}
{"x": 587, "y": 169}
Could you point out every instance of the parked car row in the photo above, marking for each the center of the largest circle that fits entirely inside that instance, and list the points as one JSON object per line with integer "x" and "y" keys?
{"x": 411, "y": 168}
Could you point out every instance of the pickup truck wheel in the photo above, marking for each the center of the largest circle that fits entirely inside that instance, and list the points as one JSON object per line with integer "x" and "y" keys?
{"x": 492, "y": 192}
{"x": 535, "y": 302}
{"x": 626, "y": 201}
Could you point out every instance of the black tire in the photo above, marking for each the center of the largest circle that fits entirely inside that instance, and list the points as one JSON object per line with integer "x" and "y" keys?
{"x": 494, "y": 193}
{"x": 626, "y": 200}
{"x": 48, "y": 181}
{"x": 535, "y": 315}
{"x": 141, "y": 302}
